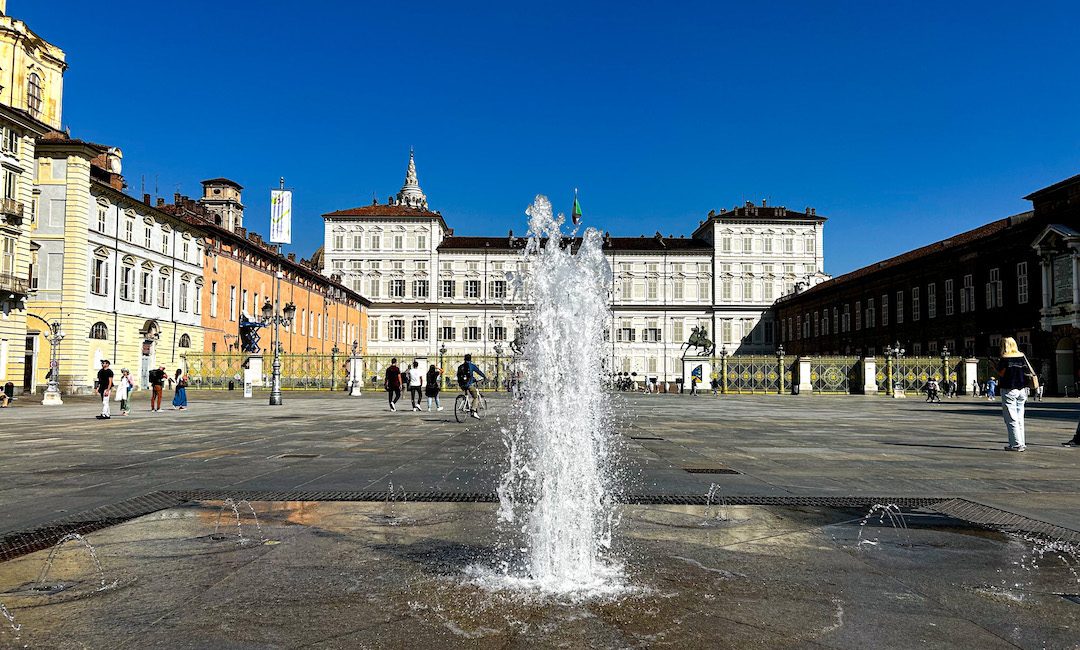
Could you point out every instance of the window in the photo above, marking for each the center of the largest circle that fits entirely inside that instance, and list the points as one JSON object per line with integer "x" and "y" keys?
{"x": 625, "y": 333}
{"x": 810, "y": 245}
{"x": 99, "y": 331}
{"x": 148, "y": 237}
{"x": 770, "y": 291}
{"x": 129, "y": 230}
{"x": 677, "y": 290}
{"x": 652, "y": 332}
{"x": 677, "y": 332}
{"x": 916, "y": 309}
{"x": 748, "y": 244}
{"x": 395, "y": 329}
{"x": 884, "y": 310}
{"x": 399, "y": 242}
{"x": 725, "y": 244}
{"x": 420, "y": 330}
{"x": 789, "y": 245}
{"x": 420, "y": 288}
{"x": 1021, "y": 283}
{"x": 373, "y": 287}
{"x": 769, "y": 332}
{"x": 726, "y": 335}
{"x": 651, "y": 289}
{"x": 472, "y": 331}
{"x": 498, "y": 331}
{"x": 127, "y": 282}
{"x": 164, "y": 292}
{"x": 183, "y": 296}
{"x": 99, "y": 277}
{"x": 825, "y": 323}
{"x": 146, "y": 287}
{"x": 472, "y": 288}
{"x": 232, "y": 303}
{"x": 397, "y": 288}
{"x": 846, "y": 323}
{"x": 33, "y": 94}
{"x": 421, "y": 242}
{"x": 725, "y": 290}
{"x": 767, "y": 244}
{"x": 165, "y": 242}
{"x": 186, "y": 251}
{"x": 967, "y": 295}
{"x": 747, "y": 290}
{"x": 871, "y": 316}
{"x": 817, "y": 324}
{"x": 473, "y": 266}
{"x": 196, "y": 301}
{"x": 11, "y": 141}
{"x": 931, "y": 300}
{"x": 447, "y": 332}
{"x": 339, "y": 242}
{"x": 858, "y": 314}
{"x": 993, "y": 289}
{"x": 185, "y": 341}
{"x": 498, "y": 289}
{"x": 899, "y": 307}
{"x": 948, "y": 297}
{"x": 627, "y": 287}
{"x": 101, "y": 213}
{"x": 373, "y": 329}
{"x": 213, "y": 298}
{"x": 376, "y": 242}
{"x": 446, "y": 289}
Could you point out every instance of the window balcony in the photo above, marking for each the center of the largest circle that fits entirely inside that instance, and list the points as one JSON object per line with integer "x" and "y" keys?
{"x": 11, "y": 284}
{"x": 12, "y": 211}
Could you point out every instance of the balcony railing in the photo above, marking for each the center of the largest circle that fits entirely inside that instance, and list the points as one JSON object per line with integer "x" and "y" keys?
{"x": 11, "y": 210}
{"x": 13, "y": 284}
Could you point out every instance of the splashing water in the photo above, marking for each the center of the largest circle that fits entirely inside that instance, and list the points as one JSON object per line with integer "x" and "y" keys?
{"x": 16, "y": 627}
{"x": 90, "y": 549}
{"x": 556, "y": 492}
{"x": 235, "y": 505}
{"x": 883, "y": 510}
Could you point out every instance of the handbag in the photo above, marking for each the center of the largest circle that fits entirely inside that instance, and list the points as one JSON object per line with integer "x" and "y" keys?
{"x": 1032, "y": 378}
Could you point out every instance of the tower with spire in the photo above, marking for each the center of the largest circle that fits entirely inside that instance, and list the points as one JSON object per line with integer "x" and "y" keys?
{"x": 411, "y": 195}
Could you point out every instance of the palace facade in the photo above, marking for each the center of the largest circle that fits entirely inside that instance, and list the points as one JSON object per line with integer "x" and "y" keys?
{"x": 432, "y": 289}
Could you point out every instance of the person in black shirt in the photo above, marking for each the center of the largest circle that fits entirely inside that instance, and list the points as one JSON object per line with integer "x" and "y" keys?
{"x": 1013, "y": 369}
{"x": 157, "y": 385}
{"x": 393, "y": 384}
{"x": 104, "y": 388}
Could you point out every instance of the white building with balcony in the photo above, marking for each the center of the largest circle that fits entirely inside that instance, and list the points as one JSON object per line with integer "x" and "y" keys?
{"x": 431, "y": 288}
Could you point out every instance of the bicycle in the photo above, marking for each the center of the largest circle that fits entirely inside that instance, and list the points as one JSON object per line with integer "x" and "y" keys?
{"x": 463, "y": 405}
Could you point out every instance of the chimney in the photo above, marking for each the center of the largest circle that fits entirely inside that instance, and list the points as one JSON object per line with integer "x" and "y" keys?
{"x": 145, "y": 196}
{"x": 161, "y": 201}
{"x": 763, "y": 203}
{"x": 292, "y": 257}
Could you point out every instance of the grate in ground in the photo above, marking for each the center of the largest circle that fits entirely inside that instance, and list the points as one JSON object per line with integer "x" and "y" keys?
{"x": 710, "y": 470}
{"x": 645, "y": 438}
{"x": 991, "y": 517}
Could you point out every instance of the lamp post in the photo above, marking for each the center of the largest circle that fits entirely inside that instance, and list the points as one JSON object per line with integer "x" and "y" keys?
{"x": 723, "y": 369}
{"x": 892, "y": 361}
{"x": 498, "y": 357}
{"x": 354, "y": 371}
{"x": 442, "y": 368}
{"x": 285, "y": 317}
{"x": 780, "y": 367}
{"x": 52, "y": 395}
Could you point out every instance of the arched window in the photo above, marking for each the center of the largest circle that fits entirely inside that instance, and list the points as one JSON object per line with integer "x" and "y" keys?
{"x": 99, "y": 331}
{"x": 33, "y": 94}
{"x": 185, "y": 341}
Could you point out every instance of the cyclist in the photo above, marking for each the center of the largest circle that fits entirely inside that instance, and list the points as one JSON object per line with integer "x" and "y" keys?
{"x": 467, "y": 381}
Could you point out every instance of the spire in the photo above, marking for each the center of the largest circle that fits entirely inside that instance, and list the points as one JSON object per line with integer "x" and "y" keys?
{"x": 411, "y": 195}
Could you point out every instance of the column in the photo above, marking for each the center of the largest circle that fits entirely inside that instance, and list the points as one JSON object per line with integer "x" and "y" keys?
{"x": 869, "y": 373}
{"x": 970, "y": 375}
{"x": 804, "y": 385}
{"x": 1044, "y": 265}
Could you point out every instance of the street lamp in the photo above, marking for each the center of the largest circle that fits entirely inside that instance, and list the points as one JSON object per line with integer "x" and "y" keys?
{"x": 283, "y": 318}
{"x": 52, "y": 393}
{"x": 354, "y": 371}
{"x": 498, "y": 356}
{"x": 442, "y": 368}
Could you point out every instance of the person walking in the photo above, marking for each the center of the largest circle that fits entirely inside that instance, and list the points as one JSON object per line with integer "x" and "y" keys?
{"x": 431, "y": 389}
{"x": 693, "y": 385}
{"x": 104, "y": 388}
{"x": 157, "y": 387}
{"x": 123, "y": 390}
{"x": 179, "y": 401}
{"x": 1013, "y": 370}
{"x": 991, "y": 387}
{"x": 416, "y": 385}
{"x": 392, "y": 383}
{"x": 715, "y": 383}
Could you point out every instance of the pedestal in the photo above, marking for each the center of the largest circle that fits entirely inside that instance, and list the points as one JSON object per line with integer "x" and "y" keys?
{"x": 970, "y": 376}
{"x": 805, "y": 387}
{"x": 52, "y": 398}
{"x": 700, "y": 367}
{"x": 869, "y": 373}
{"x": 356, "y": 376}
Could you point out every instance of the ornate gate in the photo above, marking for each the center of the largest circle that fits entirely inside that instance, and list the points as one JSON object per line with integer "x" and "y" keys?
{"x": 751, "y": 374}
{"x": 834, "y": 375}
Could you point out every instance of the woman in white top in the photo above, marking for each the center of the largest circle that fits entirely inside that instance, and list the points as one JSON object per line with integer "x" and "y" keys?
{"x": 123, "y": 390}
{"x": 416, "y": 385}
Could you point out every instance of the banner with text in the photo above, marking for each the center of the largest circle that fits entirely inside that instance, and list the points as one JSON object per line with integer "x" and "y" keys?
{"x": 281, "y": 216}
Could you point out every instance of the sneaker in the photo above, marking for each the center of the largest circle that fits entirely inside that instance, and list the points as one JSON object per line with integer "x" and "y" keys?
{"x": 1014, "y": 448}
{"x": 439, "y": 409}
{"x": 1070, "y": 443}
{"x": 101, "y": 417}
{"x": 416, "y": 408}
{"x": 392, "y": 407}
{"x": 476, "y": 415}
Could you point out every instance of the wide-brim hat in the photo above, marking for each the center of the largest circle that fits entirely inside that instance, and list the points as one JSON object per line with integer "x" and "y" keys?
{"x": 1012, "y": 355}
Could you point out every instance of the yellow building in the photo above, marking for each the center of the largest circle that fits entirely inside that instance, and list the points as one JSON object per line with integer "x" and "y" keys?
{"x": 31, "y": 94}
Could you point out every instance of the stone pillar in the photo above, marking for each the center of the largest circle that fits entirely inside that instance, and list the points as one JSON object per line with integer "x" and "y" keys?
{"x": 869, "y": 373}
{"x": 804, "y": 385}
{"x": 1044, "y": 266}
{"x": 723, "y": 374}
{"x": 970, "y": 375}
{"x": 780, "y": 369}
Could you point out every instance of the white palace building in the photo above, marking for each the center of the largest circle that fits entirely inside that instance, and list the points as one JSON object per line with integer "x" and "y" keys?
{"x": 430, "y": 288}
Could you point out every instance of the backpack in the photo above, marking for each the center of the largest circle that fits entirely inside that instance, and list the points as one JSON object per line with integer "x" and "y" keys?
{"x": 463, "y": 374}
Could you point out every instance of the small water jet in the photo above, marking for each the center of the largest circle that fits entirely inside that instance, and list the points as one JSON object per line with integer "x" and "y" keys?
{"x": 10, "y": 618}
{"x": 56, "y": 549}
{"x": 715, "y": 505}
{"x": 235, "y": 505}
{"x": 883, "y": 510}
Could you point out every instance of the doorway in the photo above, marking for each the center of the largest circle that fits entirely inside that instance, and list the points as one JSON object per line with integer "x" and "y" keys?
{"x": 1065, "y": 364}
{"x": 30, "y": 363}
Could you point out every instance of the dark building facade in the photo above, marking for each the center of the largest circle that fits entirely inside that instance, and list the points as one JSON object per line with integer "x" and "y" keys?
{"x": 963, "y": 293}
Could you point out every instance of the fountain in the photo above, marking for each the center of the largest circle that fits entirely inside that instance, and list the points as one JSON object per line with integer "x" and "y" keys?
{"x": 556, "y": 491}
{"x": 235, "y": 505}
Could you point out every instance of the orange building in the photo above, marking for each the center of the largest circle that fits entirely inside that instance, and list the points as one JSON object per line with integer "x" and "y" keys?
{"x": 239, "y": 278}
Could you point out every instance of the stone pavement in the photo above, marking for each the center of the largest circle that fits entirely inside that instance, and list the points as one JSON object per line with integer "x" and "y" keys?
{"x": 61, "y": 460}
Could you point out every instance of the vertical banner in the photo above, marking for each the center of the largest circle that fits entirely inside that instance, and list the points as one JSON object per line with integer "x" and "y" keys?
{"x": 281, "y": 216}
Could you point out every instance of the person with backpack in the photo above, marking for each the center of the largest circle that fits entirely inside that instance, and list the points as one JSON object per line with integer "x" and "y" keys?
{"x": 432, "y": 388}
{"x": 1014, "y": 370}
{"x": 157, "y": 386}
{"x": 466, "y": 378}
{"x": 392, "y": 382}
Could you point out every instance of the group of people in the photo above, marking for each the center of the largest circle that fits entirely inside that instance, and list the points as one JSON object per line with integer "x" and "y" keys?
{"x": 421, "y": 384}
{"x": 935, "y": 389}
{"x": 109, "y": 386}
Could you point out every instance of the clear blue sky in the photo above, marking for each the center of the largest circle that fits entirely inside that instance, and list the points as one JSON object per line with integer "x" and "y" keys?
{"x": 902, "y": 122}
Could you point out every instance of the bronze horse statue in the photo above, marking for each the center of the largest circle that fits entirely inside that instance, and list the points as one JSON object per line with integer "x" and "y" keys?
{"x": 699, "y": 339}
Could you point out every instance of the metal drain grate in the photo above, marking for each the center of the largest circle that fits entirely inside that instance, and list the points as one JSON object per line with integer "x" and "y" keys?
{"x": 977, "y": 513}
{"x": 17, "y": 543}
{"x": 645, "y": 438}
{"x": 710, "y": 470}
{"x": 297, "y": 456}
{"x": 1072, "y": 598}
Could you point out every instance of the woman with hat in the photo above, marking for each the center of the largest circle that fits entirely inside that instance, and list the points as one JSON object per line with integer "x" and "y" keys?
{"x": 1013, "y": 369}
